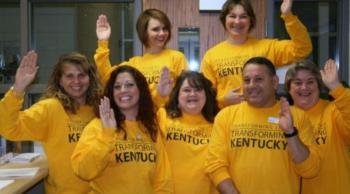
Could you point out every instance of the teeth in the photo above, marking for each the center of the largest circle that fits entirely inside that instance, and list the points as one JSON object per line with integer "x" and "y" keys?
{"x": 124, "y": 98}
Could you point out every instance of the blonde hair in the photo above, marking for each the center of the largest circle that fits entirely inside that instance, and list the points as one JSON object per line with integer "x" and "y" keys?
{"x": 54, "y": 89}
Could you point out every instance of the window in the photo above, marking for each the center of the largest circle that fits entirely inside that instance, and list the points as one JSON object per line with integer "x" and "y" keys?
{"x": 327, "y": 23}
{"x": 65, "y": 27}
{"x": 9, "y": 41}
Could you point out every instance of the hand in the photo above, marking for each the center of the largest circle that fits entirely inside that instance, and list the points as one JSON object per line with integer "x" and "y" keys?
{"x": 26, "y": 72}
{"x": 329, "y": 74}
{"x": 233, "y": 97}
{"x": 165, "y": 84}
{"x": 107, "y": 114}
{"x": 103, "y": 29}
{"x": 286, "y": 118}
{"x": 286, "y": 7}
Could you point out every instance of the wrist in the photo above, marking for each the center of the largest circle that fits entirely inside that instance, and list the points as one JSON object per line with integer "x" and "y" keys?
{"x": 291, "y": 133}
{"x": 17, "y": 91}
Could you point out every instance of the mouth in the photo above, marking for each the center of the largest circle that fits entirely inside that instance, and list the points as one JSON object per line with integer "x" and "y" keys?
{"x": 76, "y": 88}
{"x": 125, "y": 98}
{"x": 304, "y": 94}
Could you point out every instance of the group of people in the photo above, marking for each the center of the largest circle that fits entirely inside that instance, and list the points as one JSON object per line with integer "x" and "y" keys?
{"x": 148, "y": 125}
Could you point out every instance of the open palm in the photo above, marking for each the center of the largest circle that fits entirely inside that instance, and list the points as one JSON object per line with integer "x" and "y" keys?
{"x": 103, "y": 29}
{"x": 26, "y": 71}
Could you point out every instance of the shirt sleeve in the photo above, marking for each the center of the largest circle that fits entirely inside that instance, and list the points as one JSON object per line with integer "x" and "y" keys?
{"x": 310, "y": 167}
{"x": 93, "y": 151}
{"x": 298, "y": 47}
{"x": 162, "y": 182}
{"x": 17, "y": 125}
{"x": 341, "y": 116}
{"x": 216, "y": 165}
{"x": 104, "y": 67}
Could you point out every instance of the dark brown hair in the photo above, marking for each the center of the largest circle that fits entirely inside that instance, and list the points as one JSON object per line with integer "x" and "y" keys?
{"x": 143, "y": 20}
{"x": 247, "y": 6}
{"x": 146, "y": 113}
{"x": 198, "y": 81}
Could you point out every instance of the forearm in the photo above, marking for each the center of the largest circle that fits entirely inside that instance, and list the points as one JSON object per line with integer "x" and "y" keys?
{"x": 92, "y": 155}
{"x": 299, "y": 36}
{"x": 102, "y": 60}
{"x": 297, "y": 150}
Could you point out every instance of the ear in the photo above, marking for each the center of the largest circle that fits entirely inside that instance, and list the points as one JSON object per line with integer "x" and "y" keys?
{"x": 275, "y": 83}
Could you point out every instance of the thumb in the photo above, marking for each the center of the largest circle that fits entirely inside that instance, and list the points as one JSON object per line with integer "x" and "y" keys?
{"x": 236, "y": 90}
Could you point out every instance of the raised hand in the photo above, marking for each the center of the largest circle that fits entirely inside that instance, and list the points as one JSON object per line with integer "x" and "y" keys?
{"x": 165, "y": 84}
{"x": 107, "y": 114}
{"x": 103, "y": 29}
{"x": 234, "y": 96}
{"x": 26, "y": 72}
{"x": 286, "y": 119}
{"x": 329, "y": 74}
{"x": 286, "y": 7}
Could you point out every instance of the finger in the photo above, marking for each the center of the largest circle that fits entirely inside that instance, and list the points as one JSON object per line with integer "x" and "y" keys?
{"x": 32, "y": 60}
{"x": 236, "y": 90}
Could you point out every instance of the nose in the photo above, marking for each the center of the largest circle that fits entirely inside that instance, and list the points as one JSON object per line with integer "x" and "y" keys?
{"x": 303, "y": 86}
{"x": 76, "y": 79}
{"x": 123, "y": 88}
{"x": 161, "y": 32}
{"x": 236, "y": 20}
{"x": 192, "y": 92}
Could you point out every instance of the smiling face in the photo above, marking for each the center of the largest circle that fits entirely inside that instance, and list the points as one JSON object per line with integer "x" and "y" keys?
{"x": 157, "y": 34}
{"x": 191, "y": 100}
{"x": 304, "y": 89}
{"x": 75, "y": 82}
{"x": 259, "y": 85}
{"x": 126, "y": 93}
{"x": 237, "y": 22}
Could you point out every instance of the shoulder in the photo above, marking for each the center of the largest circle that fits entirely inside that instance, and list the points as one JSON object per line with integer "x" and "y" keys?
{"x": 230, "y": 111}
{"x": 217, "y": 47}
{"x": 50, "y": 103}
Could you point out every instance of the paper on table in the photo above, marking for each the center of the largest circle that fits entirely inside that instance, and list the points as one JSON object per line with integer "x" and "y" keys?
{"x": 4, "y": 183}
{"x": 24, "y": 157}
{"x": 17, "y": 172}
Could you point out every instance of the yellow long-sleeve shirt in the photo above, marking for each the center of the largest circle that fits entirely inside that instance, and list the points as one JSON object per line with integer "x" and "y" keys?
{"x": 150, "y": 65}
{"x": 112, "y": 164}
{"x": 248, "y": 146}
{"x": 223, "y": 63}
{"x": 186, "y": 141}
{"x": 58, "y": 132}
{"x": 331, "y": 122}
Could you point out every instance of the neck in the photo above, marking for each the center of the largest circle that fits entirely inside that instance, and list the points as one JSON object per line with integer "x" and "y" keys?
{"x": 237, "y": 40}
{"x": 130, "y": 115}
{"x": 80, "y": 101}
{"x": 154, "y": 50}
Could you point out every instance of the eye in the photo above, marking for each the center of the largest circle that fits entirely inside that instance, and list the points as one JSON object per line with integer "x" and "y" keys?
{"x": 244, "y": 17}
{"x": 259, "y": 79}
{"x": 129, "y": 85}
{"x": 81, "y": 75}
{"x": 69, "y": 76}
{"x": 297, "y": 83}
{"x": 246, "y": 80}
{"x": 117, "y": 87}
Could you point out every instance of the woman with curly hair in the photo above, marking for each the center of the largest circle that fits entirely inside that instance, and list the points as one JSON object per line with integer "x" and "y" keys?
{"x": 58, "y": 119}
